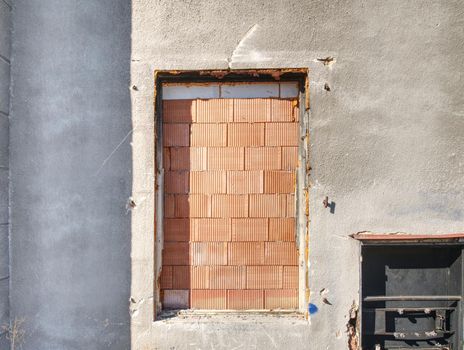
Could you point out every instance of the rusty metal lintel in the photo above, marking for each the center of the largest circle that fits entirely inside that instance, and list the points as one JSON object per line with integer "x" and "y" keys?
{"x": 236, "y": 75}
{"x": 369, "y": 237}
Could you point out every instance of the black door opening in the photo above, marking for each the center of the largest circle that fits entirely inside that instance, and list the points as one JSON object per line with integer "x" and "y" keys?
{"x": 411, "y": 297}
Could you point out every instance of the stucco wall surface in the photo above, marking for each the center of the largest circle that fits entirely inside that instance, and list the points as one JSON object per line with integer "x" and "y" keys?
{"x": 5, "y": 58}
{"x": 71, "y": 168}
{"x": 386, "y": 146}
{"x": 386, "y": 141}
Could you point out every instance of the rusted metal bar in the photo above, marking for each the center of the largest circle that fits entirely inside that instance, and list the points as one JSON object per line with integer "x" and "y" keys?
{"x": 401, "y": 310}
{"x": 368, "y": 236}
{"x": 423, "y": 335}
{"x": 413, "y": 298}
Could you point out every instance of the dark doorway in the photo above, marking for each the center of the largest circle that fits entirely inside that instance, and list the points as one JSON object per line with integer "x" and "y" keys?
{"x": 411, "y": 297}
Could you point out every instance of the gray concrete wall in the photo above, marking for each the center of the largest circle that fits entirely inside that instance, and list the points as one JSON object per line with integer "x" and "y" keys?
{"x": 387, "y": 140}
{"x": 5, "y": 57}
{"x": 71, "y": 173}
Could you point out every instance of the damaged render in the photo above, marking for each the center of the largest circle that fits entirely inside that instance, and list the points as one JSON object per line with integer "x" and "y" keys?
{"x": 352, "y": 328}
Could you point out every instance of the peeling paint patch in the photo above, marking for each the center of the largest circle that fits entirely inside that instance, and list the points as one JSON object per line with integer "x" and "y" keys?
{"x": 130, "y": 204}
{"x": 352, "y": 328}
{"x": 245, "y": 50}
{"x": 327, "y": 61}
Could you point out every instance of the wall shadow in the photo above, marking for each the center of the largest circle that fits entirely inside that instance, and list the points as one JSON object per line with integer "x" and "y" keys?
{"x": 178, "y": 226}
{"x": 71, "y": 174}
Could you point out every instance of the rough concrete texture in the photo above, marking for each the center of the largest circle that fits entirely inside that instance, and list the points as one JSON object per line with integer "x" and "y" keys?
{"x": 386, "y": 140}
{"x": 71, "y": 173}
{"x": 5, "y": 51}
{"x": 230, "y": 332}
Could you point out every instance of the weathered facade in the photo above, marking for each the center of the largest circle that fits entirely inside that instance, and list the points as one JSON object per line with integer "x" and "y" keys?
{"x": 386, "y": 145}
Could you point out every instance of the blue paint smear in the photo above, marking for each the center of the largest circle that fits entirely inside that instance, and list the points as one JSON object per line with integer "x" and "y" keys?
{"x": 312, "y": 309}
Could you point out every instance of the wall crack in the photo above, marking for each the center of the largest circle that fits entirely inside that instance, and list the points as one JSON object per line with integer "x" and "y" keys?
{"x": 240, "y": 49}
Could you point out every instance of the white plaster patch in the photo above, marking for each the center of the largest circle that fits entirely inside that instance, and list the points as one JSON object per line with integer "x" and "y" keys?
{"x": 190, "y": 91}
{"x": 260, "y": 90}
{"x": 247, "y": 90}
{"x": 289, "y": 90}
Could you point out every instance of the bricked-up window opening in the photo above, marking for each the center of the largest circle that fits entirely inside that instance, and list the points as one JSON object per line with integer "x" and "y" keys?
{"x": 230, "y": 155}
{"x": 411, "y": 297}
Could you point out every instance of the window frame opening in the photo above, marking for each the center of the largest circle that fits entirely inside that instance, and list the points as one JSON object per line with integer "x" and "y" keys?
{"x": 399, "y": 308}
{"x": 302, "y": 179}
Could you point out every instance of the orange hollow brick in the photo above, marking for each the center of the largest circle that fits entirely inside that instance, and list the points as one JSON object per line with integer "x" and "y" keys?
{"x": 246, "y": 253}
{"x": 264, "y": 277}
{"x": 208, "y": 299}
{"x": 280, "y": 253}
{"x": 282, "y": 229}
{"x": 166, "y": 277}
{"x": 199, "y": 277}
{"x": 229, "y": 205}
{"x": 176, "y": 182}
{"x": 245, "y": 134}
{"x": 176, "y": 230}
{"x": 263, "y": 158}
{"x": 252, "y": 110}
{"x": 289, "y": 158}
{"x": 176, "y": 135}
{"x": 227, "y": 277}
{"x": 286, "y": 299}
{"x": 192, "y": 205}
{"x": 210, "y": 230}
{"x": 284, "y": 110}
{"x": 208, "y": 135}
{"x": 208, "y": 182}
{"x": 290, "y": 277}
{"x": 281, "y": 134}
{"x": 225, "y": 158}
{"x": 176, "y": 253}
{"x": 179, "y": 111}
{"x": 181, "y": 277}
{"x": 250, "y": 229}
{"x": 214, "y": 110}
{"x": 279, "y": 182}
{"x": 247, "y": 299}
{"x": 244, "y": 182}
{"x": 267, "y": 205}
{"x": 188, "y": 158}
{"x": 208, "y": 253}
